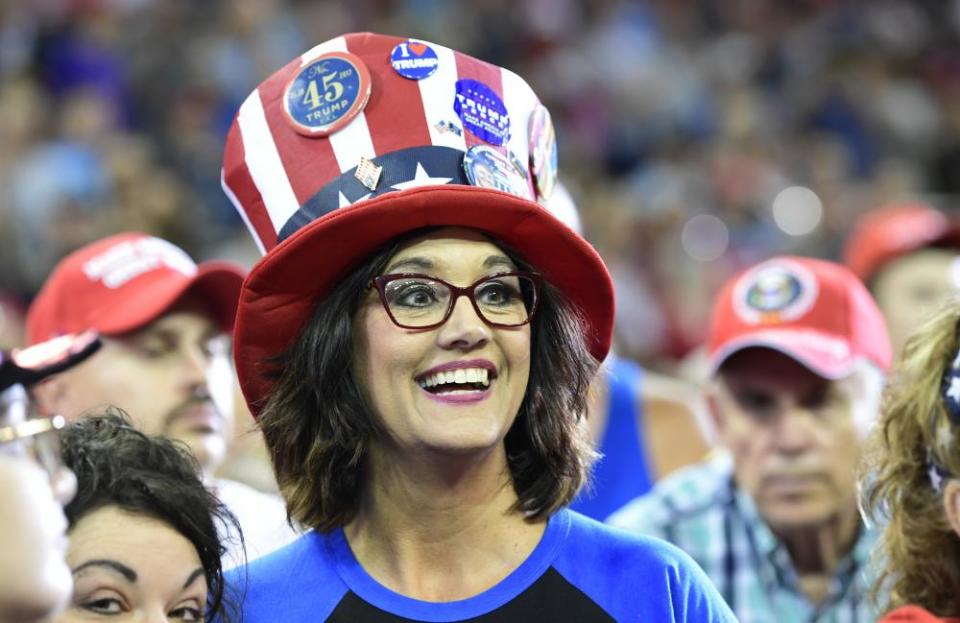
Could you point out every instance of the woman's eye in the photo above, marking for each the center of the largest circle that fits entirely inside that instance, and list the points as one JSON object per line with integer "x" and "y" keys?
{"x": 106, "y": 605}
{"x": 185, "y": 613}
{"x": 415, "y": 295}
{"x": 496, "y": 293}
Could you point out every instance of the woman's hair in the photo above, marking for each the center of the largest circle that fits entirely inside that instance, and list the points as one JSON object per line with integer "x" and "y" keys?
{"x": 116, "y": 465}
{"x": 919, "y": 555}
{"x": 318, "y": 428}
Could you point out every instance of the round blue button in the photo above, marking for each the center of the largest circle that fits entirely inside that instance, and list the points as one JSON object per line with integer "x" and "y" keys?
{"x": 327, "y": 93}
{"x": 414, "y": 60}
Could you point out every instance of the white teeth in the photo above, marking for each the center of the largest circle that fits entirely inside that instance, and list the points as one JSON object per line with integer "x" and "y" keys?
{"x": 459, "y": 376}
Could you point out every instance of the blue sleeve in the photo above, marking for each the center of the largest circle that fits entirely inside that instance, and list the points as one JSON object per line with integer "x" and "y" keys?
{"x": 637, "y": 578}
{"x": 296, "y": 583}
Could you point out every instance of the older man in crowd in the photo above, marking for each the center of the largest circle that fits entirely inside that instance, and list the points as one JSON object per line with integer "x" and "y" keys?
{"x": 798, "y": 351}
{"x": 165, "y": 323}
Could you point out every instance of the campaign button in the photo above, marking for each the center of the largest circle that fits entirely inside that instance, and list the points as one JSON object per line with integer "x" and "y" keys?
{"x": 327, "y": 93}
{"x": 487, "y": 168}
{"x": 414, "y": 60}
{"x": 543, "y": 151}
{"x": 481, "y": 111}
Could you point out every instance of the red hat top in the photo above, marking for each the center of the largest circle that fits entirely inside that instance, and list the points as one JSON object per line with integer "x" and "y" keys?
{"x": 895, "y": 230}
{"x": 815, "y": 311}
{"x": 124, "y": 282}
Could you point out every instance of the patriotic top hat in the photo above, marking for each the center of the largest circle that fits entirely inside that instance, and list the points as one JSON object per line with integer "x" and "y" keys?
{"x": 366, "y": 137}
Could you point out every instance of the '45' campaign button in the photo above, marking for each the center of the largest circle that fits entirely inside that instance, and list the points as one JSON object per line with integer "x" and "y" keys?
{"x": 327, "y": 93}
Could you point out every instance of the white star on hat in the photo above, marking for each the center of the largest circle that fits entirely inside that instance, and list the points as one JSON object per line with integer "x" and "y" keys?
{"x": 344, "y": 202}
{"x": 421, "y": 179}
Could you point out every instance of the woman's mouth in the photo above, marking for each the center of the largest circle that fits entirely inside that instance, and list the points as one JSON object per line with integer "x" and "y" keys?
{"x": 462, "y": 379}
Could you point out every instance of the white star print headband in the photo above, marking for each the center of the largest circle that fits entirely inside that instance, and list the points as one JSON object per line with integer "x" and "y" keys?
{"x": 950, "y": 398}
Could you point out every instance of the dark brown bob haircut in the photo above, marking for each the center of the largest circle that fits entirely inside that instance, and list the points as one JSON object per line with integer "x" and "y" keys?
{"x": 318, "y": 428}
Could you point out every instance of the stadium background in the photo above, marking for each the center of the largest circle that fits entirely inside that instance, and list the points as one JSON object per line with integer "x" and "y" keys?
{"x": 695, "y": 136}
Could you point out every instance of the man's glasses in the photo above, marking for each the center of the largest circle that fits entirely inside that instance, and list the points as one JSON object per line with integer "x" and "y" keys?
{"x": 416, "y": 301}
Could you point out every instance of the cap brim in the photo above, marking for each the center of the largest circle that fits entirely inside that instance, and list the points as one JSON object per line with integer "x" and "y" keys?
{"x": 31, "y": 365}
{"x": 216, "y": 283}
{"x": 825, "y": 355}
{"x": 281, "y": 291}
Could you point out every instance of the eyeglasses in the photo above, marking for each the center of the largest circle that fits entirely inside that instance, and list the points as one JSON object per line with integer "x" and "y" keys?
{"x": 416, "y": 301}
{"x": 36, "y": 439}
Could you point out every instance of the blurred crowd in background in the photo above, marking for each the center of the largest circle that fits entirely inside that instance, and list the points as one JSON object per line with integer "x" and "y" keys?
{"x": 696, "y": 137}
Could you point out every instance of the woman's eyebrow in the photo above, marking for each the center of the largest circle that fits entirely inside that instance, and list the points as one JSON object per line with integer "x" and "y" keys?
{"x": 129, "y": 574}
{"x": 198, "y": 572}
{"x": 420, "y": 263}
{"x": 499, "y": 260}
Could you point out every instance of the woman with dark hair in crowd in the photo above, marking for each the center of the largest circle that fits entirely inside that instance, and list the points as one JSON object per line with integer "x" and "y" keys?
{"x": 911, "y": 478}
{"x": 143, "y": 533}
{"x": 417, "y": 345}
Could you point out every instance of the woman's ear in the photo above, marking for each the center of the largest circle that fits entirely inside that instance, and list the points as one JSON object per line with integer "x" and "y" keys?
{"x": 951, "y": 503}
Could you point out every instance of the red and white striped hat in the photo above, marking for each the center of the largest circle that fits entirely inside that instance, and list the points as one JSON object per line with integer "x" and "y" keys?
{"x": 366, "y": 137}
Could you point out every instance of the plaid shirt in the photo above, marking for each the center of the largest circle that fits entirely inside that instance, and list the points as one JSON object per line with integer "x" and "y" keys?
{"x": 700, "y": 510}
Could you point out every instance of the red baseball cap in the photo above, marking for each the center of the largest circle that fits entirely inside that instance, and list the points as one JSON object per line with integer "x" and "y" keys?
{"x": 125, "y": 282}
{"x": 894, "y": 230}
{"x": 814, "y": 311}
{"x": 366, "y": 137}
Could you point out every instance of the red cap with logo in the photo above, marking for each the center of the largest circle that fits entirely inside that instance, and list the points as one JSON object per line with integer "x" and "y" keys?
{"x": 124, "y": 282}
{"x": 895, "y": 230}
{"x": 815, "y": 311}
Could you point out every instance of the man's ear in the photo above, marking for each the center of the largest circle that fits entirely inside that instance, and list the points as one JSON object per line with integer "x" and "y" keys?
{"x": 951, "y": 503}
{"x": 49, "y": 395}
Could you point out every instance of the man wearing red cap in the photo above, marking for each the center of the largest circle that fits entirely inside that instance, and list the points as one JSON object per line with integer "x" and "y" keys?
{"x": 165, "y": 323}
{"x": 907, "y": 254}
{"x": 798, "y": 349}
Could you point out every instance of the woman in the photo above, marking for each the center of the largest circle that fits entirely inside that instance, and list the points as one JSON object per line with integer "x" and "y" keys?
{"x": 417, "y": 346}
{"x": 143, "y": 529}
{"x": 910, "y": 475}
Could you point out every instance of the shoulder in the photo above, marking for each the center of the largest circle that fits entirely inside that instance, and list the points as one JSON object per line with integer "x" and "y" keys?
{"x": 249, "y": 504}
{"x": 635, "y": 577}
{"x": 913, "y": 614}
{"x": 262, "y": 517}
{"x": 299, "y": 580}
{"x": 685, "y": 494}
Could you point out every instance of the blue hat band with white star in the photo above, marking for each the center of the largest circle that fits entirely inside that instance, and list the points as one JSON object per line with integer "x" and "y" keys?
{"x": 404, "y": 169}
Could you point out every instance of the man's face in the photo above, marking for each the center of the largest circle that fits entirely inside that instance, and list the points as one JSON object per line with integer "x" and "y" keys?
{"x": 794, "y": 435}
{"x": 173, "y": 377}
{"x": 909, "y": 287}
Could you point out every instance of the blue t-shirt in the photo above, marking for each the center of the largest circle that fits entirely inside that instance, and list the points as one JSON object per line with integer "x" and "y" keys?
{"x": 581, "y": 571}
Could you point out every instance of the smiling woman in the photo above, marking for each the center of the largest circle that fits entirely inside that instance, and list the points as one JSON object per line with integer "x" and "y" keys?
{"x": 143, "y": 529}
{"x": 417, "y": 345}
